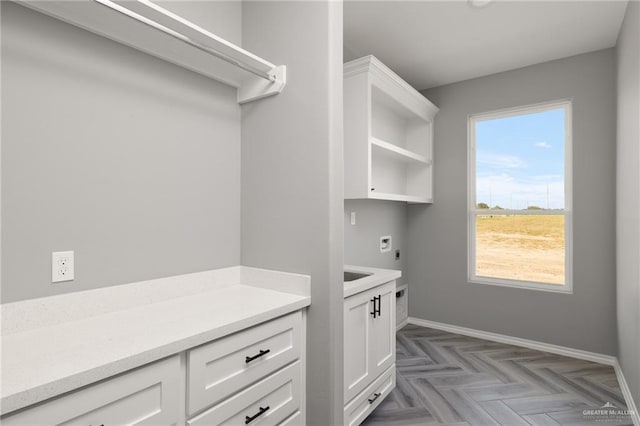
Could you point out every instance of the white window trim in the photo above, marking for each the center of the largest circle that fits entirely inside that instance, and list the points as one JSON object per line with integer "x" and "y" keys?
{"x": 473, "y": 211}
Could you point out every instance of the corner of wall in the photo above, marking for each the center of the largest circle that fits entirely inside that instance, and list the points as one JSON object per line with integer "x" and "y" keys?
{"x": 628, "y": 197}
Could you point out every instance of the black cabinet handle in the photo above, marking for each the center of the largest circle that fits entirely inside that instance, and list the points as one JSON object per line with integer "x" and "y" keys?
{"x": 262, "y": 410}
{"x": 375, "y": 396}
{"x": 256, "y": 356}
{"x": 376, "y": 306}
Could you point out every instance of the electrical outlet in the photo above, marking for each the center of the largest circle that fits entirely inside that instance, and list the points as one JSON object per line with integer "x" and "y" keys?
{"x": 353, "y": 218}
{"x": 62, "y": 266}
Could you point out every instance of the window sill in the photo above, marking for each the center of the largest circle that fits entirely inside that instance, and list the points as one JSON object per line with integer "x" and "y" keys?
{"x": 525, "y": 285}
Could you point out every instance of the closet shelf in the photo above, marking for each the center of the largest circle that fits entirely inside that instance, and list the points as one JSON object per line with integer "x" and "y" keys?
{"x": 398, "y": 153}
{"x": 152, "y": 29}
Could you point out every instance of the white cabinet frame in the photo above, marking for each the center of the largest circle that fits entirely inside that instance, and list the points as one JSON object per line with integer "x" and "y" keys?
{"x": 388, "y": 135}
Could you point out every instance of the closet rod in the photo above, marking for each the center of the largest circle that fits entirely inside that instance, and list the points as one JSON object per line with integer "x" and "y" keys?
{"x": 212, "y": 51}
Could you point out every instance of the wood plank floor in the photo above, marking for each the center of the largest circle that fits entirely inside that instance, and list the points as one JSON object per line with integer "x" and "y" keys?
{"x": 449, "y": 379}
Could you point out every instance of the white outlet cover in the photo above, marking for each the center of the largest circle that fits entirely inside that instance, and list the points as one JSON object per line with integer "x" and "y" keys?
{"x": 62, "y": 266}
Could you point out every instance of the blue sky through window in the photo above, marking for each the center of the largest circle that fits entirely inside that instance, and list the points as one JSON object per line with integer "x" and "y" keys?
{"x": 520, "y": 160}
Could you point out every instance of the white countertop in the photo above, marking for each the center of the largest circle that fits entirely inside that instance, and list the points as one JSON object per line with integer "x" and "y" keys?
{"x": 377, "y": 277}
{"x": 63, "y": 346}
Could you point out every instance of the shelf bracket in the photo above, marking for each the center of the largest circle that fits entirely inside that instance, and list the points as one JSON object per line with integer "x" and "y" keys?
{"x": 257, "y": 88}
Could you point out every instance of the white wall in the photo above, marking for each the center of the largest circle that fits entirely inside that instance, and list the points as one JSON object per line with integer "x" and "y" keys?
{"x": 292, "y": 193}
{"x": 132, "y": 162}
{"x": 135, "y": 163}
{"x": 374, "y": 219}
{"x": 437, "y": 255}
{"x": 628, "y": 198}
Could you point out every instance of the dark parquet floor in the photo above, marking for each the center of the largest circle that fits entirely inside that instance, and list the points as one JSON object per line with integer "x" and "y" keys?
{"x": 449, "y": 379}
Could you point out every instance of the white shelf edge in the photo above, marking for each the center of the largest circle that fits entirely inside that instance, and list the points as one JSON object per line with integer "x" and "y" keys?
{"x": 399, "y": 197}
{"x": 400, "y": 153}
{"x": 178, "y": 45}
{"x": 165, "y": 18}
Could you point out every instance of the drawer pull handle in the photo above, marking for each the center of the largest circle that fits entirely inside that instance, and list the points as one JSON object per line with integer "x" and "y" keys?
{"x": 258, "y": 355}
{"x": 248, "y": 419}
{"x": 375, "y": 396}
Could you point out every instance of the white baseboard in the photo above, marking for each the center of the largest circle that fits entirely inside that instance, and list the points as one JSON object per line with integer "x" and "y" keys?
{"x": 541, "y": 346}
{"x": 402, "y": 324}
{"x": 516, "y": 341}
{"x": 626, "y": 393}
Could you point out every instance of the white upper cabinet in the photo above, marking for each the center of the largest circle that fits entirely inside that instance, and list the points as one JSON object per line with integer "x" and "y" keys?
{"x": 388, "y": 127}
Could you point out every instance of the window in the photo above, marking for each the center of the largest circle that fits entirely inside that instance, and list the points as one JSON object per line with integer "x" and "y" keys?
{"x": 520, "y": 197}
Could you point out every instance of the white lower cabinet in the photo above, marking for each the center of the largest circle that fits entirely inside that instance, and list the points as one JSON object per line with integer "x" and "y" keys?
{"x": 252, "y": 377}
{"x": 369, "y": 349}
{"x": 149, "y": 395}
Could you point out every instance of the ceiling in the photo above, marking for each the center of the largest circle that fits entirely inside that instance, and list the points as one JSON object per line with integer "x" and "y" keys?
{"x": 432, "y": 43}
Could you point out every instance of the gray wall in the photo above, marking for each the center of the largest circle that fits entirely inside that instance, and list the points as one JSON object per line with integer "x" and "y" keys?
{"x": 292, "y": 166}
{"x": 437, "y": 260}
{"x": 130, "y": 161}
{"x": 628, "y": 198}
{"x": 374, "y": 219}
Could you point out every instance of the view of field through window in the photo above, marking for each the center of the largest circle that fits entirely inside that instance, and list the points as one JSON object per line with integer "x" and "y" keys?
{"x": 519, "y": 214}
{"x": 521, "y": 247}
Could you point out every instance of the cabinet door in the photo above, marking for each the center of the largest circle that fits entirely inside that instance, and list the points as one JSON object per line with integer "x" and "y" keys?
{"x": 383, "y": 330}
{"x": 357, "y": 323}
{"x": 149, "y": 395}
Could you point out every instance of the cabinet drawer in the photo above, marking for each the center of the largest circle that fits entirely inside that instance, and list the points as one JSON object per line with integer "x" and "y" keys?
{"x": 366, "y": 401}
{"x": 147, "y": 396}
{"x": 223, "y": 367}
{"x": 266, "y": 403}
{"x": 294, "y": 420}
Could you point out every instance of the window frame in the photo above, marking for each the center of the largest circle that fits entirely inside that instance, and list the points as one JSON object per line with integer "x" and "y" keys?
{"x": 473, "y": 211}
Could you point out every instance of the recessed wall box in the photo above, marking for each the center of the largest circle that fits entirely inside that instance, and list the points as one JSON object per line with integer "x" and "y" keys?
{"x": 385, "y": 244}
